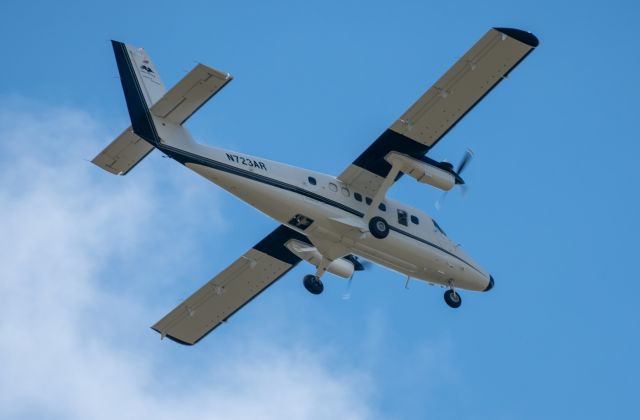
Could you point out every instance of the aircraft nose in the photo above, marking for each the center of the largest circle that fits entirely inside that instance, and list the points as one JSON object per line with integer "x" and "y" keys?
{"x": 490, "y": 285}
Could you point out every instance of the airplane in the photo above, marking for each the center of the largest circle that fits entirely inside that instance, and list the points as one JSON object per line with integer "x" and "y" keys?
{"x": 330, "y": 222}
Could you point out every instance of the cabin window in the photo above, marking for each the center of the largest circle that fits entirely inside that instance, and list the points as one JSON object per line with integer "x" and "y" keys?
{"x": 357, "y": 196}
{"x": 345, "y": 191}
{"x": 333, "y": 187}
{"x": 402, "y": 217}
{"x": 368, "y": 200}
{"x": 382, "y": 206}
{"x": 415, "y": 220}
{"x": 312, "y": 180}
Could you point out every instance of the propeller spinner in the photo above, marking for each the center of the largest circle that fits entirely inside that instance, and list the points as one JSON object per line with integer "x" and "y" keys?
{"x": 464, "y": 162}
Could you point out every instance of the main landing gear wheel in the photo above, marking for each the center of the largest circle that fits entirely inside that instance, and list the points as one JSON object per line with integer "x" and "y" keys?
{"x": 452, "y": 298}
{"x": 313, "y": 284}
{"x": 378, "y": 227}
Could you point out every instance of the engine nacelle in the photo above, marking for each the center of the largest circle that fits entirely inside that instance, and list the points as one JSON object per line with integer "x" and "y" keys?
{"x": 340, "y": 267}
{"x": 422, "y": 171}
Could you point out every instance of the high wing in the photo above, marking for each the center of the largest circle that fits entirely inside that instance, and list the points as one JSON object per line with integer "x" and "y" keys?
{"x": 488, "y": 62}
{"x": 233, "y": 288}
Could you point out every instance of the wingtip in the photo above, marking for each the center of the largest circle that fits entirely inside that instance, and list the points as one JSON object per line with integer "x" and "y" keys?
{"x": 175, "y": 340}
{"x": 520, "y": 35}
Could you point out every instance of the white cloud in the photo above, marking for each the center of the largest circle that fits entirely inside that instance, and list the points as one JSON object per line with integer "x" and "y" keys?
{"x": 68, "y": 235}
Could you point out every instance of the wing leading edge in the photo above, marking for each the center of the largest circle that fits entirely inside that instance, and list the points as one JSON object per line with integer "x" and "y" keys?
{"x": 439, "y": 109}
{"x": 230, "y": 290}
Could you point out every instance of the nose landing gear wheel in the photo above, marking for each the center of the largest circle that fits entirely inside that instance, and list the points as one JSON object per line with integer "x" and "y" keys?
{"x": 452, "y": 298}
{"x": 313, "y": 284}
{"x": 378, "y": 227}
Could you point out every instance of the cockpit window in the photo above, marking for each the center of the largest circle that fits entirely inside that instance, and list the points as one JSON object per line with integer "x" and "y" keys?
{"x": 438, "y": 228}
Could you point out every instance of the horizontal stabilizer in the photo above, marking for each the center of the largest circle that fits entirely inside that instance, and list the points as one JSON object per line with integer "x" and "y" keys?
{"x": 123, "y": 153}
{"x": 193, "y": 91}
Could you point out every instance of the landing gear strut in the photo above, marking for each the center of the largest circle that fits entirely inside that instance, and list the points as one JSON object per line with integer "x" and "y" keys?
{"x": 452, "y": 298}
{"x": 313, "y": 284}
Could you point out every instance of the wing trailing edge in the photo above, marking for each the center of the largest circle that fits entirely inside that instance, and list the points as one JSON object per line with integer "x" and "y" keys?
{"x": 228, "y": 292}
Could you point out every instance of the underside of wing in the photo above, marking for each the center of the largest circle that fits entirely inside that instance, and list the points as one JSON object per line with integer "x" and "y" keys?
{"x": 123, "y": 153}
{"x": 437, "y": 111}
{"x": 230, "y": 290}
{"x": 192, "y": 92}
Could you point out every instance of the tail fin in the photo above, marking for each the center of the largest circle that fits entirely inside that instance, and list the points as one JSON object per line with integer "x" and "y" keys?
{"x": 157, "y": 116}
{"x": 142, "y": 87}
{"x": 145, "y": 71}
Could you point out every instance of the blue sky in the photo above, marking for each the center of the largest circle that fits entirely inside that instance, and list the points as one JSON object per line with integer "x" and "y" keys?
{"x": 89, "y": 261}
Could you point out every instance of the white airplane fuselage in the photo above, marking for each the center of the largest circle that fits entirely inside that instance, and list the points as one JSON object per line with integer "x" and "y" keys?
{"x": 415, "y": 246}
{"x": 324, "y": 220}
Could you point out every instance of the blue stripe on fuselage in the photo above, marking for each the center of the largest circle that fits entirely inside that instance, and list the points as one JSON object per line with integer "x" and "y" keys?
{"x": 184, "y": 157}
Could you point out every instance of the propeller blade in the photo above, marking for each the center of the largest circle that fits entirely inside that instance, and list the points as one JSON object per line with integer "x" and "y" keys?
{"x": 466, "y": 158}
{"x": 465, "y": 161}
{"x": 440, "y": 202}
{"x": 357, "y": 264}
{"x": 347, "y": 293}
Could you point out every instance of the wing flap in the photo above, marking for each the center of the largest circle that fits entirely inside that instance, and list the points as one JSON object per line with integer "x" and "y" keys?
{"x": 193, "y": 91}
{"x": 230, "y": 290}
{"x": 123, "y": 153}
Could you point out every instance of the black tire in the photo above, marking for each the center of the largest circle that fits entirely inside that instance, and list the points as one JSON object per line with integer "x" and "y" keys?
{"x": 452, "y": 298}
{"x": 378, "y": 227}
{"x": 313, "y": 284}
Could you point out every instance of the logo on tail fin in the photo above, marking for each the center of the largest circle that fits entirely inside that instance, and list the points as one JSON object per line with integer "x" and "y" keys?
{"x": 146, "y": 69}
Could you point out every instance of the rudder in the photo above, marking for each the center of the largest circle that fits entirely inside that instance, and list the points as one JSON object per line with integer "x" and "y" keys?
{"x": 142, "y": 87}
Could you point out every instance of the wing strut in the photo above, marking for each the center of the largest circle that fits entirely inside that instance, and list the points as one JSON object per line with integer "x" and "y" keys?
{"x": 396, "y": 165}
{"x": 422, "y": 171}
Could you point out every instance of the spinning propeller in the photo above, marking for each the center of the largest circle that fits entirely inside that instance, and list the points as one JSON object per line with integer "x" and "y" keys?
{"x": 468, "y": 154}
{"x": 357, "y": 266}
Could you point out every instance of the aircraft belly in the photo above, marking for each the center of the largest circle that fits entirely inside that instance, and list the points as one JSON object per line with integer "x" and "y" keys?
{"x": 337, "y": 232}
{"x": 420, "y": 261}
{"x": 397, "y": 251}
